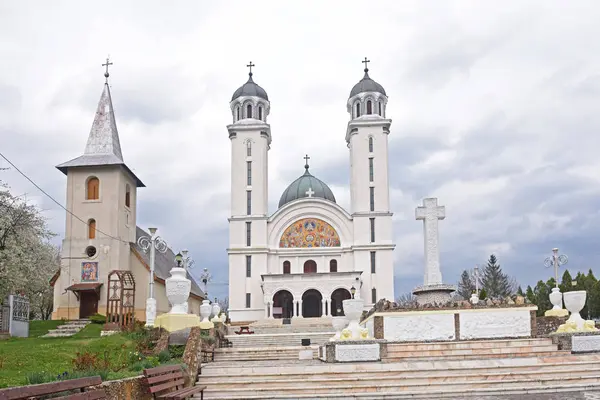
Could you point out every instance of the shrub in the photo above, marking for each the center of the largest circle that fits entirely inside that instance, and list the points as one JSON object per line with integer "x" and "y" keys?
{"x": 176, "y": 351}
{"x": 98, "y": 319}
{"x": 86, "y": 362}
{"x": 164, "y": 356}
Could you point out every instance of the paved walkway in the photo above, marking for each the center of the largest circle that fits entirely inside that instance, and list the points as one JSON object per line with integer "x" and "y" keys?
{"x": 539, "y": 396}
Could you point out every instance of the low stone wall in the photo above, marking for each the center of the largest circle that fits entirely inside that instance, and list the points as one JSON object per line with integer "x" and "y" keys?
{"x": 191, "y": 356}
{"x": 126, "y": 389}
{"x": 588, "y": 342}
{"x": 548, "y": 325}
{"x": 449, "y": 325}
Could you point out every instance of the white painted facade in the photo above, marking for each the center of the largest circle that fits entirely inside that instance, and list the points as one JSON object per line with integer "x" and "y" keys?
{"x": 260, "y": 266}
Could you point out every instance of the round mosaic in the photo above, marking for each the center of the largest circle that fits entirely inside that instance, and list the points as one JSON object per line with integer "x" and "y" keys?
{"x": 310, "y": 232}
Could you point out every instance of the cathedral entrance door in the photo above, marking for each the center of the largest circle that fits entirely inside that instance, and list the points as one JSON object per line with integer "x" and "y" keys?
{"x": 312, "y": 304}
{"x": 337, "y": 297}
{"x": 283, "y": 304}
{"x": 88, "y": 303}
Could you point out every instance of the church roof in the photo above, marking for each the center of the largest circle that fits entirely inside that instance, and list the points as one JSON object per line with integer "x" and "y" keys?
{"x": 250, "y": 89}
{"x": 103, "y": 146}
{"x": 366, "y": 84}
{"x": 162, "y": 262}
{"x": 306, "y": 186}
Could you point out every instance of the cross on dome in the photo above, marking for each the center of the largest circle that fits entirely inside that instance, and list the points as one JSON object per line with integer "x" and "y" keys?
{"x": 366, "y": 61}
{"x": 106, "y": 64}
{"x": 250, "y": 65}
{"x": 310, "y": 192}
{"x": 306, "y": 158}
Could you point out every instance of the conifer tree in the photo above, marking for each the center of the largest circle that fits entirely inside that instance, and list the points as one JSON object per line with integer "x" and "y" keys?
{"x": 542, "y": 296}
{"x": 466, "y": 285}
{"x": 482, "y": 294}
{"x": 520, "y": 292}
{"x": 496, "y": 282}
{"x": 530, "y": 295}
{"x": 566, "y": 282}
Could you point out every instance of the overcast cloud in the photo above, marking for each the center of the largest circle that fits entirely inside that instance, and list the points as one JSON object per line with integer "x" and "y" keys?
{"x": 494, "y": 108}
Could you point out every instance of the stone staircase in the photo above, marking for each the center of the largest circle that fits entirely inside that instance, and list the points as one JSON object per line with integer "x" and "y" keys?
{"x": 68, "y": 329}
{"x": 278, "y": 339}
{"x": 453, "y": 370}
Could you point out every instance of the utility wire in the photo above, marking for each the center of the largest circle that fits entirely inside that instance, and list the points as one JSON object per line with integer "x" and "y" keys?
{"x": 56, "y": 201}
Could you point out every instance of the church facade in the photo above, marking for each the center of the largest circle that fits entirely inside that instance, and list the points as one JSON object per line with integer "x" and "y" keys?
{"x": 309, "y": 255}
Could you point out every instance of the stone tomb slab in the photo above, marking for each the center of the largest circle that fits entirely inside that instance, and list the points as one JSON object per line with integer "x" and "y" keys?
{"x": 585, "y": 343}
{"x": 368, "y": 350}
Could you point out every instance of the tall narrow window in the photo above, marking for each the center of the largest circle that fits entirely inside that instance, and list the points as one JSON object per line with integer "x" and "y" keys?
{"x": 92, "y": 229}
{"x": 369, "y": 107}
{"x": 373, "y": 295}
{"x": 127, "y": 196}
{"x": 249, "y": 172}
{"x": 260, "y": 112}
{"x": 380, "y": 109}
{"x": 333, "y": 266}
{"x": 248, "y": 300}
{"x": 370, "y": 144}
{"x": 286, "y": 267}
{"x": 372, "y": 222}
{"x": 372, "y": 198}
{"x": 371, "y": 169}
{"x": 248, "y": 266}
{"x": 248, "y": 233}
{"x": 249, "y": 111}
{"x": 237, "y": 111}
{"x": 93, "y": 189}
{"x": 372, "y": 262}
{"x": 248, "y": 202}
{"x": 248, "y": 148}
{"x": 357, "y": 110}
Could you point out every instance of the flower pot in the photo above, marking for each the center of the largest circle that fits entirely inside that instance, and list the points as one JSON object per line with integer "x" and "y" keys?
{"x": 338, "y": 324}
{"x": 205, "y": 310}
{"x": 353, "y": 309}
{"x": 178, "y": 290}
{"x": 556, "y": 298}
{"x": 575, "y": 301}
{"x": 216, "y": 309}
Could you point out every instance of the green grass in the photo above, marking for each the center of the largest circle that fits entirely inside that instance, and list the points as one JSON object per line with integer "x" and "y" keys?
{"x": 40, "y": 328}
{"x": 19, "y": 357}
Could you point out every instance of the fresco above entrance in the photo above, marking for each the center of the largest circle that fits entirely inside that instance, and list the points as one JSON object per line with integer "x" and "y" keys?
{"x": 309, "y": 232}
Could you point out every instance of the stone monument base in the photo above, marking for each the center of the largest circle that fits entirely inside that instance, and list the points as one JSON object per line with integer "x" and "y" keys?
{"x": 352, "y": 351}
{"x": 176, "y": 322}
{"x": 561, "y": 312}
{"x": 577, "y": 342}
{"x": 431, "y": 294}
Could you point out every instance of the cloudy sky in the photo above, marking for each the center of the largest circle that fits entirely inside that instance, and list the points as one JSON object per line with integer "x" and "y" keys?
{"x": 495, "y": 109}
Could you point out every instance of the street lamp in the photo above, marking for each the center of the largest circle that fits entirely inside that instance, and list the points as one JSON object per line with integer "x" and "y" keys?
{"x": 187, "y": 261}
{"x": 555, "y": 261}
{"x": 352, "y": 291}
{"x": 205, "y": 278}
{"x": 152, "y": 243}
{"x": 477, "y": 279}
{"x": 556, "y": 297}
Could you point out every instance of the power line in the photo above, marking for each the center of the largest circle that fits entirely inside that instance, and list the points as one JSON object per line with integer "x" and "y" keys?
{"x": 56, "y": 201}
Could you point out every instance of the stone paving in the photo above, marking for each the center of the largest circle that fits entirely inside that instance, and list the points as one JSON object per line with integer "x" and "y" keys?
{"x": 539, "y": 396}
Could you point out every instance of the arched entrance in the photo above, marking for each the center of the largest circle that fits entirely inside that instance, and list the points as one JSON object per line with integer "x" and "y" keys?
{"x": 310, "y": 267}
{"x": 337, "y": 297}
{"x": 283, "y": 304}
{"x": 312, "y": 303}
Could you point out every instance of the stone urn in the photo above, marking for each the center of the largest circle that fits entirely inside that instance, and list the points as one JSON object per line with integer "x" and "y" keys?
{"x": 474, "y": 299}
{"x": 556, "y": 298}
{"x": 575, "y": 301}
{"x": 205, "y": 311}
{"x": 338, "y": 323}
{"x": 178, "y": 290}
{"x": 353, "y": 309}
{"x": 216, "y": 309}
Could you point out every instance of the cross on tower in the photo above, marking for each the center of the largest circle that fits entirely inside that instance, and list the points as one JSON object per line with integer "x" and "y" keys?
{"x": 306, "y": 158}
{"x": 310, "y": 192}
{"x": 430, "y": 213}
{"x": 250, "y": 66}
{"x": 106, "y": 64}
{"x": 366, "y": 61}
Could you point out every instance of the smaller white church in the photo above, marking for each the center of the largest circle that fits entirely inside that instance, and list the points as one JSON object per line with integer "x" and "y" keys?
{"x": 311, "y": 254}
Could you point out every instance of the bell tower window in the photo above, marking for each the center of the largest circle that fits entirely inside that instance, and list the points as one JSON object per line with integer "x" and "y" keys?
{"x": 127, "y": 196}
{"x": 380, "y": 109}
{"x": 249, "y": 111}
{"x": 92, "y": 229}
{"x": 370, "y": 144}
{"x": 286, "y": 267}
{"x": 237, "y": 110}
{"x": 369, "y": 107}
{"x": 357, "y": 110}
{"x": 260, "y": 113}
{"x": 93, "y": 189}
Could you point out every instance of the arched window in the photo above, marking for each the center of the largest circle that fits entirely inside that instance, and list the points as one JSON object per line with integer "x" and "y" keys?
{"x": 286, "y": 267}
{"x": 373, "y": 295}
{"x": 92, "y": 229}
{"x": 380, "y": 109}
{"x": 370, "y": 144}
{"x": 93, "y": 189}
{"x": 369, "y": 107}
{"x": 260, "y": 112}
{"x": 127, "y": 196}
{"x": 237, "y": 110}
{"x": 249, "y": 111}
{"x": 333, "y": 266}
{"x": 248, "y": 148}
{"x": 357, "y": 110}
{"x": 310, "y": 267}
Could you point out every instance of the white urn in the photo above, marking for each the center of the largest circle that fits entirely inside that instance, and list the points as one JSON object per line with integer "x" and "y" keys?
{"x": 556, "y": 298}
{"x": 178, "y": 290}
{"x": 216, "y": 309}
{"x": 338, "y": 323}
{"x": 353, "y": 309}
{"x": 474, "y": 298}
{"x": 575, "y": 301}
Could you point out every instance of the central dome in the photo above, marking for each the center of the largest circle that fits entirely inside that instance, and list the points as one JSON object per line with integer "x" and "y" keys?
{"x": 306, "y": 186}
{"x": 250, "y": 89}
{"x": 366, "y": 84}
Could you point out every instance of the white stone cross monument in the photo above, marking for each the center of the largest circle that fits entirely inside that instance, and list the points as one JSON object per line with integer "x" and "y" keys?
{"x": 430, "y": 213}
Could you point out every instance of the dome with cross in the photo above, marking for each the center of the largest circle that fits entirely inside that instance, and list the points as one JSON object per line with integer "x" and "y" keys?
{"x": 306, "y": 186}
{"x": 366, "y": 84}
{"x": 250, "y": 88}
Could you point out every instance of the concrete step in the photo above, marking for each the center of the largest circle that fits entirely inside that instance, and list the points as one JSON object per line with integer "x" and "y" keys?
{"x": 68, "y": 329}
{"x": 457, "y": 352}
{"x": 262, "y": 353}
{"x": 468, "y": 344}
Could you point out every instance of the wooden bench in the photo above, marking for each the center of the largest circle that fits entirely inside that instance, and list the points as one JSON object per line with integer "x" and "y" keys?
{"x": 167, "y": 383}
{"x": 244, "y": 330}
{"x": 80, "y": 384}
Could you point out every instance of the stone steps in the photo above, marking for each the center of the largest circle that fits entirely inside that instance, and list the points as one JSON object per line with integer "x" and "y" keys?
{"x": 68, "y": 329}
{"x": 272, "y": 353}
{"x": 468, "y": 344}
{"x": 278, "y": 340}
{"x": 482, "y": 356}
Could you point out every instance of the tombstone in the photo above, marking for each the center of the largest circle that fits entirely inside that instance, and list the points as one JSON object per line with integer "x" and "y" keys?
{"x": 15, "y": 316}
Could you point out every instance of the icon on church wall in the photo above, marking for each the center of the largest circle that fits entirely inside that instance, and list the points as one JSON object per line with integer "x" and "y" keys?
{"x": 89, "y": 272}
{"x": 309, "y": 232}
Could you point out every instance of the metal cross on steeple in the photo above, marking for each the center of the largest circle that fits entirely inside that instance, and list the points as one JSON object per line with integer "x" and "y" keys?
{"x": 306, "y": 158}
{"x": 106, "y": 74}
{"x": 366, "y": 61}
{"x": 250, "y": 66}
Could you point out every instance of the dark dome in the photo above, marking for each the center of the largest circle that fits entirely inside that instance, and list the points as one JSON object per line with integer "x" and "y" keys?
{"x": 250, "y": 89}
{"x": 367, "y": 84}
{"x": 300, "y": 186}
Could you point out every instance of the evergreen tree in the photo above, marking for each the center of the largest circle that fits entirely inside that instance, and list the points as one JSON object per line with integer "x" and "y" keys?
{"x": 496, "y": 282}
{"x": 566, "y": 282}
{"x": 466, "y": 285}
{"x": 520, "y": 292}
{"x": 482, "y": 294}
{"x": 542, "y": 296}
{"x": 530, "y": 295}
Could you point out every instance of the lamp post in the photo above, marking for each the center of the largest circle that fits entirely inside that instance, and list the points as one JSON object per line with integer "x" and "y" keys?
{"x": 555, "y": 261}
{"x": 153, "y": 243}
{"x": 352, "y": 291}
{"x": 205, "y": 278}
{"x": 187, "y": 261}
{"x": 556, "y": 297}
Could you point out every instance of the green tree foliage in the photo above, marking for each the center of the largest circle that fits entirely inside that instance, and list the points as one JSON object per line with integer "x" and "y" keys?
{"x": 496, "y": 282}
{"x": 566, "y": 282}
{"x": 466, "y": 285}
{"x": 520, "y": 291}
{"x": 542, "y": 293}
{"x": 530, "y": 295}
{"x": 483, "y": 294}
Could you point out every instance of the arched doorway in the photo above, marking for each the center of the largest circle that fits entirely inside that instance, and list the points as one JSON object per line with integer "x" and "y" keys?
{"x": 283, "y": 304}
{"x": 312, "y": 304}
{"x": 337, "y": 297}
{"x": 310, "y": 267}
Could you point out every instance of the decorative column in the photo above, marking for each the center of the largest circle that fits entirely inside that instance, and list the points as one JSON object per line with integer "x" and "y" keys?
{"x": 556, "y": 297}
{"x": 266, "y": 310}
{"x": 271, "y": 310}
{"x": 323, "y": 301}
{"x": 300, "y": 315}
{"x": 152, "y": 243}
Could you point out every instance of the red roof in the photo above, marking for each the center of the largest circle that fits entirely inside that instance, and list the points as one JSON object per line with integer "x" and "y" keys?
{"x": 81, "y": 287}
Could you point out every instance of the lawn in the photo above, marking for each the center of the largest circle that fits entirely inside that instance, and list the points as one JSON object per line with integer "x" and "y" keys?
{"x": 19, "y": 357}
{"x": 40, "y": 328}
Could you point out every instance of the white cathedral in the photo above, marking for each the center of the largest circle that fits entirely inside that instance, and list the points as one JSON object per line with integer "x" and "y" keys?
{"x": 311, "y": 254}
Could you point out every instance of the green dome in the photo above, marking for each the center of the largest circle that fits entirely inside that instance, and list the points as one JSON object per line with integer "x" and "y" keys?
{"x": 299, "y": 188}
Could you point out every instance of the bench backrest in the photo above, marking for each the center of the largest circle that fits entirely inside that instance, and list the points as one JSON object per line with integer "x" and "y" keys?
{"x": 164, "y": 379}
{"x": 51, "y": 388}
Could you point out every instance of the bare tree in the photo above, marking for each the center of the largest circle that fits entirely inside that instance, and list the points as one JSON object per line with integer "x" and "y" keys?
{"x": 224, "y": 304}
{"x": 405, "y": 299}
